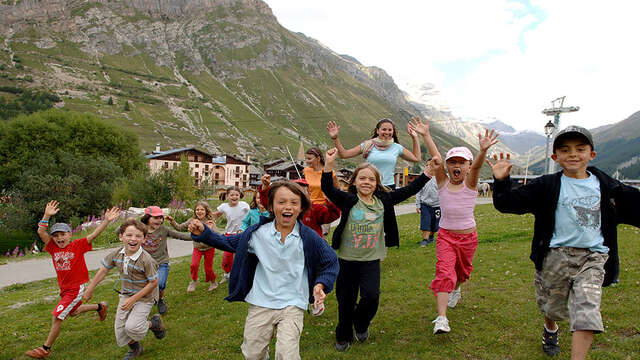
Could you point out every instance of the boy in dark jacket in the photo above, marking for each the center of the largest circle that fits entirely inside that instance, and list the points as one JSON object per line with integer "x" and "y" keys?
{"x": 574, "y": 246}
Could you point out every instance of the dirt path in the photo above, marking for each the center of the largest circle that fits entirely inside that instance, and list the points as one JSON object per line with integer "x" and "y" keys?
{"x": 20, "y": 272}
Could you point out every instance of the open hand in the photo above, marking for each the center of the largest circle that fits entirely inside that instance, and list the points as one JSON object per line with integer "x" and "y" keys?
{"x": 333, "y": 129}
{"x": 501, "y": 167}
{"x": 488, "y": 140}
{"x": 112, "y": 214}
{"x": 128, "y": 304}
{"x": 51, "y": 208}
{"x": 418, "y": 126}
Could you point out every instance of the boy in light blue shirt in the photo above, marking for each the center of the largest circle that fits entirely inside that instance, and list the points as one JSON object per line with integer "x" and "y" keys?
{"x": 280, "y": 267}
{"x": 574, "y": 247}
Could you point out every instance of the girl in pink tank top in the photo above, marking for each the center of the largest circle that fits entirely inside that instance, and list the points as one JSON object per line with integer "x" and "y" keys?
{"x": 457, "y": 239}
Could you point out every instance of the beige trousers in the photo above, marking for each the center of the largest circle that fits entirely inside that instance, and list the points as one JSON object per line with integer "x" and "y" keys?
{"x": 132, "y": 325}
{"x": 259, "y": 327}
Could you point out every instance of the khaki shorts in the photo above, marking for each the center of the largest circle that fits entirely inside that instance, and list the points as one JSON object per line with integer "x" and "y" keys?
{"x": 569, "y": 286}
{"x": 259, "y": 328}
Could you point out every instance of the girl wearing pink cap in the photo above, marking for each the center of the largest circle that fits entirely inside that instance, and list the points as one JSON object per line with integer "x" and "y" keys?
{"x": 458, "y": 237}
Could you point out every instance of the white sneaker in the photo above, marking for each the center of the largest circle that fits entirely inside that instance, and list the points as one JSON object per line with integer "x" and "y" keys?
{"x": 213, "y": 286}
{"x": 454, "y": 297}
{"x": 225, "y": 278}
{"x": 192, "y": 286}
{"x": 441, "y": 325}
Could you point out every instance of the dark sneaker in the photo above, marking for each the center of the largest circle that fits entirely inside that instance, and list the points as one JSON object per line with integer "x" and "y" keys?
{"x": 342, "y": 345}
{"x": 157, "y": 326}
{"x": 424, "y": 243}
{"x": 102, "y": 314}
{"x": 550, "y": 342}
{"x": 362, "y": 336}
{"x": 38, "y": 353}
{"x": 162, "y": 306}
{"x": 135, "y": 350}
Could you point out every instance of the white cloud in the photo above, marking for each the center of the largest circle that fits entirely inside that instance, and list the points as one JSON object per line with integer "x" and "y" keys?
{"x": 582, "y": 49}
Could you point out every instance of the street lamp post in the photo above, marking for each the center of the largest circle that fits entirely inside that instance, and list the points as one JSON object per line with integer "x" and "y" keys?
{"x": 549, "y": 129}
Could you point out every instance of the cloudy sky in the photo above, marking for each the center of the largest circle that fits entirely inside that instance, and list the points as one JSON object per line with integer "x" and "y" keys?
{"x": 491, "y": 58}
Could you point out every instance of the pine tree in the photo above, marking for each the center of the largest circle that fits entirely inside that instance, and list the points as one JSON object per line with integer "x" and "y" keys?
{"x": 110, "y": 101}
{"x": 126, "y": 105}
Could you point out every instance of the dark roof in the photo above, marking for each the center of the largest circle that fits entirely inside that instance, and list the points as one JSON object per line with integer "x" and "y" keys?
{"x": 285, "y": 166}
{"x": 157, "y": 154}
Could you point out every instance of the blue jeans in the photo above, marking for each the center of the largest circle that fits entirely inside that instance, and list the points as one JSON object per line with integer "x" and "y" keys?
{"x": 163, "y": 274}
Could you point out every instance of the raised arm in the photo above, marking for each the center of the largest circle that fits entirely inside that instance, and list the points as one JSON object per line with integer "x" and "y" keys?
{"x": 332, "y": 193}
{"x": 49, "y": 210}
{"x": 515, "y": 201}
{"x": 109, "y": 216}
{"x": 489, "y": 139}
{"x": 263, "y": 189}
{"x": 334, "y": 131}
{"x": 416, "y": 154}
{"x": 437, "y": 166}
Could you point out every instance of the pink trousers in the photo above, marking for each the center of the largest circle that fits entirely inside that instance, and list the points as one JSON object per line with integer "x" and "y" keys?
{"x": 454, "y": 254}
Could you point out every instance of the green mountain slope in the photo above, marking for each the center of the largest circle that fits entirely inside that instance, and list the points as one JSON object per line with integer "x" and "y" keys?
{"x": 224, "y": 76}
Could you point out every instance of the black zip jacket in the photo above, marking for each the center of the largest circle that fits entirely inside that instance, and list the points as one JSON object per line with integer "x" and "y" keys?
{"x": 540, "y": 197}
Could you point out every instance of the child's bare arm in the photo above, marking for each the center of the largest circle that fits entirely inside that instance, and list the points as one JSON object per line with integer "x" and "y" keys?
{"x": 88, "y": 293}
{"x": 334, "y": 130}
{"x": 147, "y": 289}
{"x": 422, "y": 128}
{"x": 109, "y": 216}
{"x": 489, "y": 139}
{"x": 49, "y": 210}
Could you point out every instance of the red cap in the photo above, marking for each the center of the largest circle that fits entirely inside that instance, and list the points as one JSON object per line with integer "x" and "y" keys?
{"x": 153, "y": 211}
{"x": 302, "y": 182}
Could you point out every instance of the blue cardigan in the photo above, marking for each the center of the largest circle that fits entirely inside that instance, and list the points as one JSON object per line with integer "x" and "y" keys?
{"x": 320, "y": 260}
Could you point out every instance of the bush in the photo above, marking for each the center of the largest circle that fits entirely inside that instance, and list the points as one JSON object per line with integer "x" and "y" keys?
{"x": 55, "y": 131}
{"x": 82, "y": 184}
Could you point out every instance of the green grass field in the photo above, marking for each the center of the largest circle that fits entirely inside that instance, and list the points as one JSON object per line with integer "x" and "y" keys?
{"x": 496, "y": 319}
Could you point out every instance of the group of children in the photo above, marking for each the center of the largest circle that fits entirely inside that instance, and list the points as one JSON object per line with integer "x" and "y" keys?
{"x": 283, "y": 266}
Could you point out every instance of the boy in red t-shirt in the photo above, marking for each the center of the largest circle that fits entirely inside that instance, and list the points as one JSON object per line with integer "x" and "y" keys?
{"x": 71, "y": 269}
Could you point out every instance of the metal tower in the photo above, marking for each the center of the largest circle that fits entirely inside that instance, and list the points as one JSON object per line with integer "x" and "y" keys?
{"x": 555, "y": 110}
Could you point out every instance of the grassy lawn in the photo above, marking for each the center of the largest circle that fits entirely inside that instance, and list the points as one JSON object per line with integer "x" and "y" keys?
{"x": 496, "y": 319}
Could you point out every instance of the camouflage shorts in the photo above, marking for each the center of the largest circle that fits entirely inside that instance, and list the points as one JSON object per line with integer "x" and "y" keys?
{"x": 570, "y": 286}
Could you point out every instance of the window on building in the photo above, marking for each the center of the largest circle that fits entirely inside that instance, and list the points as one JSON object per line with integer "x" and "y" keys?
{"x": 244, "y": 177}
{"x": 195, "y": 158}
{"x": 237, "y": 183}
{"x": 206, "y": 167}
{"x": 197, "y": 165}
{"x": 238, "y": 168}
{"x": 166, "y": 165}
{"x": 196, "y": 174}
{"x": 217, "y": 175}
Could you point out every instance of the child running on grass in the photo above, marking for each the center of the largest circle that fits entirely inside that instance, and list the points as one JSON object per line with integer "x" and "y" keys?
{"x": 458, "y": 237}
{"x": 369, "y": 218}
{"x": 71, "y": 269}
{"x": 155, "y": 244}
{"x": 139, "y": 288}
{"x": 234, "y": 210}
{"x": 202, "y": 212}
{"x": 575, "y": 246}
{"x": 317, "y": 216}
{"x": 281, "y": 266}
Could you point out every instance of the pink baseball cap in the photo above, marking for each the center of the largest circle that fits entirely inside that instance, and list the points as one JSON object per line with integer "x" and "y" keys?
{"x": 459, "y": 151}
{"x": 153, "y": 211}
{"x": 302, "y": 182}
